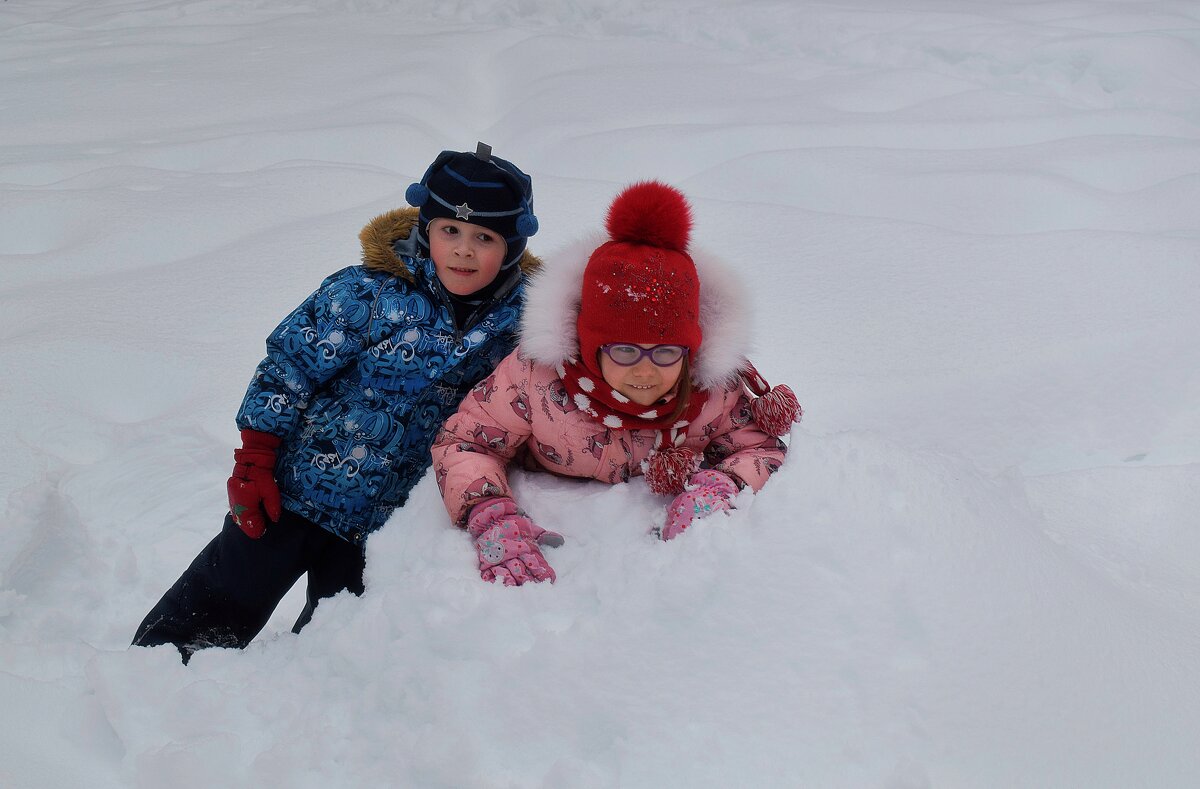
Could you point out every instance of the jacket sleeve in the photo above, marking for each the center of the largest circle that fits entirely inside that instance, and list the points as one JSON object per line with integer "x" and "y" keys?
{"x": 472, "y": 451}
{"x": 738, "y": 446}
{"x": 313, "y": 344}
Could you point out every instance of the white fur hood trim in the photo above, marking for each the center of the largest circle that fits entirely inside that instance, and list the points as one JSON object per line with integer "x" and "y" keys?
{"x": 552, "y": 297}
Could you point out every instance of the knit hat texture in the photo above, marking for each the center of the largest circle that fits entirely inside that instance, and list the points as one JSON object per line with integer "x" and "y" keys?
{"x": 481, "y": 189}
{"x": 641, "y": 285}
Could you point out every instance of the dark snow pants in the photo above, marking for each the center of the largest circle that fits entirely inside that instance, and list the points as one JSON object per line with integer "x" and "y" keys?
{"x": 232, "y": 587}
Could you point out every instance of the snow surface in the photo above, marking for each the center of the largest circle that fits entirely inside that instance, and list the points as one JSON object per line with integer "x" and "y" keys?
{"x": 973, "y": 237}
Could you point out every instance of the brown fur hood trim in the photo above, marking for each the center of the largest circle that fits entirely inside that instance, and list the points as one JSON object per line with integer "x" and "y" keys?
{"x": 382, "y": 232}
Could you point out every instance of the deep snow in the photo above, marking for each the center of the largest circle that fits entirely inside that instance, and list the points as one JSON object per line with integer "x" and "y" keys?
{"x": 972, "y": 234}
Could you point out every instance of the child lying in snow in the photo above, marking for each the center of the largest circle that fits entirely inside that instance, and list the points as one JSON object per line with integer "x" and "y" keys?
{"x": 630, "y": 363}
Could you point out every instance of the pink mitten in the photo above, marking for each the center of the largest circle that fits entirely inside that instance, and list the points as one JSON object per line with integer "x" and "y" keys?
{"x": 507, "y": 542}
{"x": 706, "y": 492}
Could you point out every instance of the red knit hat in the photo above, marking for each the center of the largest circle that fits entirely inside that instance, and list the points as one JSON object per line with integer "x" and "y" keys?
{"x": 641, "y": 287}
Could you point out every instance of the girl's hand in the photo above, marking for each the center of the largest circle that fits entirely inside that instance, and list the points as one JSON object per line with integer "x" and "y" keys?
{"x": 507, "y": 542}
{"x": 706, "y": 492}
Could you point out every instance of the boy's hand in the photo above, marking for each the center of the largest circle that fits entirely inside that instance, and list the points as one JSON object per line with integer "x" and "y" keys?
{"x": 706, "y": 492}
{"x": 507, "y": 543}
{"x": 252, "y": 486}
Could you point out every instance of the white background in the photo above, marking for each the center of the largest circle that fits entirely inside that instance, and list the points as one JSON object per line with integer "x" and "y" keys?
{"x": 972, "y": 236}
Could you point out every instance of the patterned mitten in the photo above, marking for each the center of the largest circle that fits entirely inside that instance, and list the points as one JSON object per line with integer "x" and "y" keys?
{"x": 252, "y": 486}
{"x": 706, "y": 492}
{"x": 507, "y": 542}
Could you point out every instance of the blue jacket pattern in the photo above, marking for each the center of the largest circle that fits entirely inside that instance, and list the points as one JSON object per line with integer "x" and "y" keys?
{"x": 357, "y": 382}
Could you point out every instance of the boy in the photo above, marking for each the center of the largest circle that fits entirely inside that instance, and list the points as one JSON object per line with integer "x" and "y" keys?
{"x": 336, "y": 425}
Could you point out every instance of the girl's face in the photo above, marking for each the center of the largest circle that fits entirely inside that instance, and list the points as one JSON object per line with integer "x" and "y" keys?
{"x": 645, "y": 383}
{"x": 467, "y": 256}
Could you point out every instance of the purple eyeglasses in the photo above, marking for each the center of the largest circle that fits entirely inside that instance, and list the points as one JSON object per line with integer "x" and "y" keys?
{"x": 627, "y": 354}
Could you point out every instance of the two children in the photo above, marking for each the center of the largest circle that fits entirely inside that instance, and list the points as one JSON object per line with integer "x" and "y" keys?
{"x": 337, "y": 423}
{"x": 631, "y": 362}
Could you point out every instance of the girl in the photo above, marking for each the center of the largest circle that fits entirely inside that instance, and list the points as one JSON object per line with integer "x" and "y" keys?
{"x": 630, "y": 363}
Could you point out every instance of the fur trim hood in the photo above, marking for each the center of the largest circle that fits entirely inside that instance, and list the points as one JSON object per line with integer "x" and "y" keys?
{"x": 552, "y": 298}
{"x": 379, "y": 239}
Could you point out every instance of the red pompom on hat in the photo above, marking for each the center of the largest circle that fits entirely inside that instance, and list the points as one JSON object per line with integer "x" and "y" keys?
{"x": 641, "y": 286}
{"x": 652, "y": 214}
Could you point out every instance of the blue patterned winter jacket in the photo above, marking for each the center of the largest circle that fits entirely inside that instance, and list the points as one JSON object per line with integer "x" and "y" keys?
{"x": 360, "y": 377}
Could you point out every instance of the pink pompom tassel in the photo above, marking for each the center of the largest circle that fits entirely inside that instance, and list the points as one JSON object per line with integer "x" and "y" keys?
{"x": 667, "y": 470}
{"x": 777, "y": 410}
{"x": 774, "y": 409}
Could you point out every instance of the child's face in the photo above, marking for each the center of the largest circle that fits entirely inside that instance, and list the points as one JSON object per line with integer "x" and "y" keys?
{"x": 645, "y": 383}
{"x": 467, "y": 256}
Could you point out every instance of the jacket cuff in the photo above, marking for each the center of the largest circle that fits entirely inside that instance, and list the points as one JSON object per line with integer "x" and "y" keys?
{"x": 256, "y": 439}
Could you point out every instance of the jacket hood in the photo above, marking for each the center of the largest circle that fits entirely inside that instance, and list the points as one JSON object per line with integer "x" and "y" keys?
{"x": 552, "y": 297}
{"x": 379, "y": 239}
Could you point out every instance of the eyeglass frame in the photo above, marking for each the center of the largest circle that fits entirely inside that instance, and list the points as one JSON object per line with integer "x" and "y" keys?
{"x": 644, "y": 353}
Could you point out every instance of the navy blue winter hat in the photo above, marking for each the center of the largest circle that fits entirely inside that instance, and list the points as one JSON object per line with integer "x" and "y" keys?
{"x": 481, "y": 189}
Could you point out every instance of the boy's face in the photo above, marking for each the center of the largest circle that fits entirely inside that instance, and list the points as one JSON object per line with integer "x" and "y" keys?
{"x": 467, "y": 256}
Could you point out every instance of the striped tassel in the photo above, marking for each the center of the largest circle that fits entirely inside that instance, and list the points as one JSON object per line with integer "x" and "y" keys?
{"x": 668, "y": 470}
{"x": 773, "y": 409}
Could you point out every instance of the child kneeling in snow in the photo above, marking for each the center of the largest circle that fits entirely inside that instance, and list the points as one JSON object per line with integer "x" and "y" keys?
{"x": 336, "y": 425}
{"x": 630, "y": 363}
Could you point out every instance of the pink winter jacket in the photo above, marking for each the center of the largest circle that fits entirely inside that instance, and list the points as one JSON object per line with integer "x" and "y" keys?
{"x": 523, "y": 404}
{"x": 523, "y": 407}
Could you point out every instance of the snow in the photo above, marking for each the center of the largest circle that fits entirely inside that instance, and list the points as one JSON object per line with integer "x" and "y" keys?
{"x": 972, "y": 234}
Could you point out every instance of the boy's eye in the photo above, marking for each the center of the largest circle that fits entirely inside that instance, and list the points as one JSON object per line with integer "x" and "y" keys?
{"x": 449, "y": 230}
{"x": 485, "y": 238}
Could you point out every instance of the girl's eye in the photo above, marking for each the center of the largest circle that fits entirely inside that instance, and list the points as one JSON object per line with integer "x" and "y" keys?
{"x": 624, "y": 354}
{"x": 666, "y": 355}
{"x": 449, "y": 230}
{"x": 485, "y": 238}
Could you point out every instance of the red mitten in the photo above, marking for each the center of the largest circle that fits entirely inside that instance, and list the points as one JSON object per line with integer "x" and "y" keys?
{"x": 507, "y": 543}
{"x": 252, "y": 486}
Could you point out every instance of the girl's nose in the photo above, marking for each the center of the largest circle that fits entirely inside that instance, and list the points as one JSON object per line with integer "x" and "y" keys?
{"x": 644, "y": 366}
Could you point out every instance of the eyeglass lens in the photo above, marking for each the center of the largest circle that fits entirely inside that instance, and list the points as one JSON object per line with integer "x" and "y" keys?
{"x": 628, "y": 355}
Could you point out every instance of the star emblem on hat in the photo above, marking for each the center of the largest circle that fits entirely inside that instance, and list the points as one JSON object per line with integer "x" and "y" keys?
{"x": 463, "y": 212}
